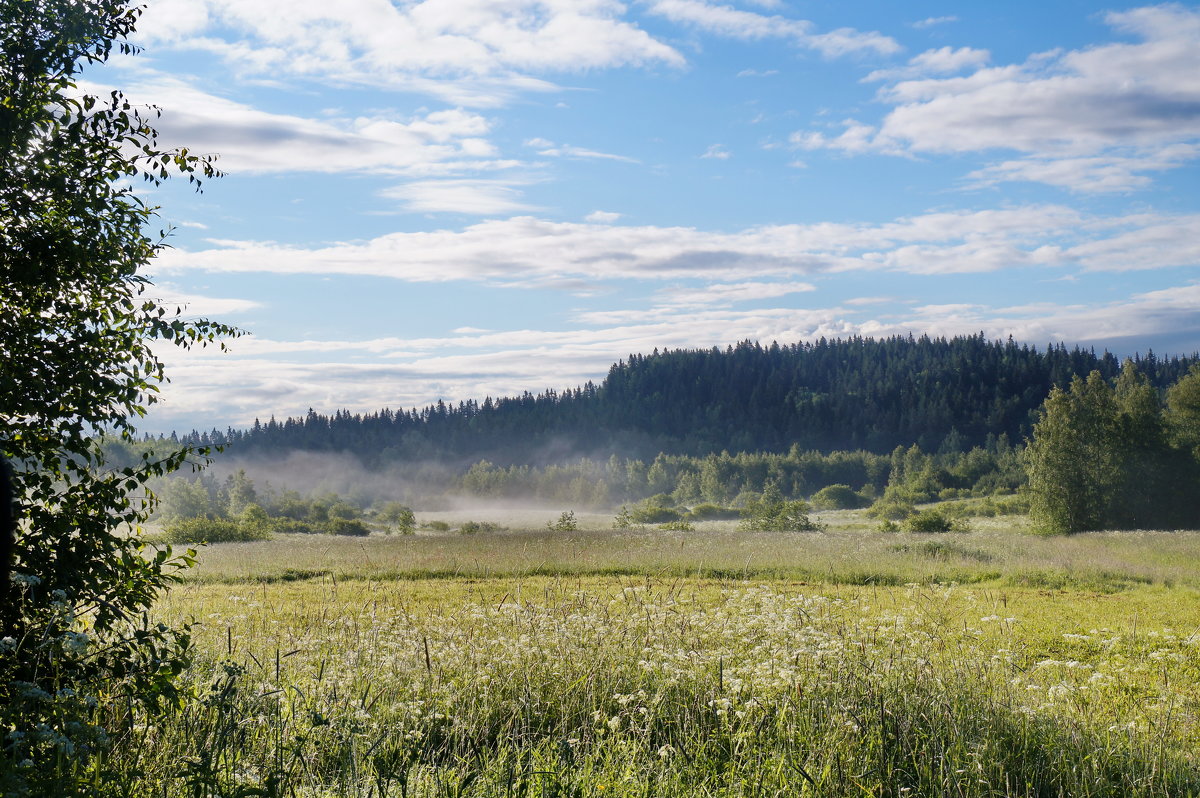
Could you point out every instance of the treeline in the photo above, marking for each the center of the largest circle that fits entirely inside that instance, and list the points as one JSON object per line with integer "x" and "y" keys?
{"x": 668, "y": 481}
{"x": 726, "y": 479}
{"x": 853, "y": 394}
{"x": 203, "y": 508}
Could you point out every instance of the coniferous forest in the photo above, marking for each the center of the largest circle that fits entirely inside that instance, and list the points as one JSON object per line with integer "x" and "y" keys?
{"x": 854, "y": 394}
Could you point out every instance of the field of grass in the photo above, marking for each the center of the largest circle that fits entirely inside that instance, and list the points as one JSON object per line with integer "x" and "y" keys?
{"x": 703, "y": 663}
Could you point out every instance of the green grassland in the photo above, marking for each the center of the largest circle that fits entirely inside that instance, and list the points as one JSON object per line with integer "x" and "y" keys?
{"x": 711, "y": 662}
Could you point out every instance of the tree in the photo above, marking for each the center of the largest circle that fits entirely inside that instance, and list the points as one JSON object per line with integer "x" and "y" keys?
{"x": 1145, "y": 494}
{"x": 1183, "y": 411}
{"x": 79, "y": 657}
{"x": 1073, "y": 460}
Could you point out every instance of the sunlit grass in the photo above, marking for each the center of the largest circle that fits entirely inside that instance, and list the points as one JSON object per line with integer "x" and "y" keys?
{"x": 997, "y": 551}
{"x": 705, "y": 663}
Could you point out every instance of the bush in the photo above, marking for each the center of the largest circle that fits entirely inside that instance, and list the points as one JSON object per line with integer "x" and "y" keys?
{"x": 211, "y": 530}
{"x": 565, "y": 523}
{"x": 891, "y": 508}
{"x": 290, "y": 526}
{"x": 681, "y": 525}
{"x": 836, "y": 497}
{"x": 771, "y": 513}
{"x": 343, "y": 511}
{"x": 653, "y": 514}
{"x": 476, "y": 527}
{"x": 437, "y": 526}
{"x": 712, "y": 512}
{"x": 623, "y": 519}
{"x": 348, "y": 527}
{"x": 933, "y": 520}
{"x": 398, "y": 516}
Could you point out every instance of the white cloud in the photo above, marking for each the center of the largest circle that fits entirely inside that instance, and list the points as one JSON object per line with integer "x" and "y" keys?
{"x": 729, "y": 293}
{"x": 602, "y": 217}
{"x": 732, "y": 22}
{"x": 716, "y": 151}
{"x": 251, "y": 141}
{"x": 855, "y": 138}
{"x": 529, "y": 251}
{"x": 552, "y": 150}
{"x": 474, "y": 197}
{"x": 942, "y": 61}
{"x": 473, "y": 52}
{"x": 1091, "y": 174}
{"x": 754, "y": 73}
{"x": 1115, "y": 111}
{"x": 929, "y": 22}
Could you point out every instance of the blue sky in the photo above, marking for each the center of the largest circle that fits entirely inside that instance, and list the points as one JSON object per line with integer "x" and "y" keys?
{"x": 452, "y": 199}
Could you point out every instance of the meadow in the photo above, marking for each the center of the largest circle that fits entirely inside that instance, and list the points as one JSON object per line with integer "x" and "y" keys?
{"x": 711, "y": 662}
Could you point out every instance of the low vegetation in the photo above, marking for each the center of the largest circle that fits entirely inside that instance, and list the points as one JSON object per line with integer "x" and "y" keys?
{"x": 608, "y": 662}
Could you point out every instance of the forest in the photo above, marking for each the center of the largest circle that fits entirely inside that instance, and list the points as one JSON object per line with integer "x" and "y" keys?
{"x": 844, "y": 394}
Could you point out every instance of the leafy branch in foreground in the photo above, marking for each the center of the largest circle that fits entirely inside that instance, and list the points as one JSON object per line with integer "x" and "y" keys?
{"x": 79, "y": 657}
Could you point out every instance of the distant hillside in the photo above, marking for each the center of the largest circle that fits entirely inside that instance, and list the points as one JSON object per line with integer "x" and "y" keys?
{"x": 858, "y": 393}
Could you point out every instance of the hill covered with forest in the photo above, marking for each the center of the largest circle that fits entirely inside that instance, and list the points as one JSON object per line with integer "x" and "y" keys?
{"x": 857, "y": 393}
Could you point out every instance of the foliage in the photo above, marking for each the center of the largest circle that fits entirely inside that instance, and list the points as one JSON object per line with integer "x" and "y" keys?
{"x": 350, "y": 527}
{"x": 682, "y": 525}
{"x": 836, "y": 497}
{"x": 712, "y": 512}
{"x": 1101, "y": 458}
{"x": 1183, "y": 418}
{"x": 566, "y": 523}
{"x": 213, "y": 530}
{"x": 81, "y": 662}
{"x": 770, "y": 512}
{"x": 933, "y": 520}
{"x": 891, "y": 508}
{"x": 478, "y": 527}
{"x": 651, "y": 512}
{"x": 399, "y": 517}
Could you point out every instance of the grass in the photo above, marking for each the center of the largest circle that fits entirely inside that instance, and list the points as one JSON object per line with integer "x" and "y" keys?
{"x": 997, "y": 551}
{"x": 705, "y": 663}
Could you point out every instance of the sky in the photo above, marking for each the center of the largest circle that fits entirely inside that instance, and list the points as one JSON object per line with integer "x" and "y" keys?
{"x": 454, "y": 199}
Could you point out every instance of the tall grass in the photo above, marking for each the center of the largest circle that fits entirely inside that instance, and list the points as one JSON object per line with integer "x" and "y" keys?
{"x": 849, "y": 552}
{"x": 611, "y": 686}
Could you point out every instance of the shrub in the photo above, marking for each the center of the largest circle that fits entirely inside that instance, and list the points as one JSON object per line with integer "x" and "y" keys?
{"x": 565, "y": 523}
{"x": 437, "y": 526}
{"x": 646, "y": 513}
{"x": 933, "y": 520}
{"x": 836, "y": 497}
{"x": 891, "y": 508}
{"x": 711, "y": 512}
{"x": 211, "y": 530}
{"x": 398, "y": 516}
{"x": 344, "y": 511}
{"x": 681, "y": 525}
{"x": 255, "y": 521}
{"x": 347, "y": 526}
{"x": 289, "y": 526}
{"x": 624, "y": 518}
{"x": 476, "y": 527}
{"x": 771, "y": 513}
